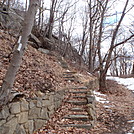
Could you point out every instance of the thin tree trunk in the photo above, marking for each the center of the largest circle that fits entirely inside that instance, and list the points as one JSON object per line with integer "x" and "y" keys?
{"x": 5, "y": 91}
{"x": 90, "y": 43}
{"x": 133, "y": 69}
{"x": 102, "y": 81}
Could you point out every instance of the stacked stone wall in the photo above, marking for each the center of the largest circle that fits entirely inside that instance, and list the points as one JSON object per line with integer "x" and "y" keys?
{"x": 26, "y": 116}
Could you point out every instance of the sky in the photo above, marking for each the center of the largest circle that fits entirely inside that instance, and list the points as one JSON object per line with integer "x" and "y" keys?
{"x": 117, "y": 7}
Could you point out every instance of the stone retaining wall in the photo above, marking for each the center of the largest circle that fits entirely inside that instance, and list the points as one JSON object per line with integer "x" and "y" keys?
{"x": 26, "y": 116}
{"x": 91, "y": 110}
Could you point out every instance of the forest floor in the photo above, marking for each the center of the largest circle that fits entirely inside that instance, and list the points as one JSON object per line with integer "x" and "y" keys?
{"x": 114, "y": 114}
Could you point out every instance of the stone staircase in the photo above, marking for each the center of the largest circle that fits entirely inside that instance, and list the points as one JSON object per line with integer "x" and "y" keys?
{"x": 78, "y": 115}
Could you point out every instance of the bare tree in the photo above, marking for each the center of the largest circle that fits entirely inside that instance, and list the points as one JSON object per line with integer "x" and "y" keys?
{"x": 105, "y": 63}
{"x": 5, "y": 90}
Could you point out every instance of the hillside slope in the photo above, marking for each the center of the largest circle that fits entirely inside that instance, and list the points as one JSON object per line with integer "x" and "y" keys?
{"x": 38, "y": 71}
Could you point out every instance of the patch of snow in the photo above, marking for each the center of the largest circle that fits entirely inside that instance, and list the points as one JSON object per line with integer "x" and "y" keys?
{"x": 102, "y": 100}
{"x": 80, "y": 74}
{"x": 109, "y": 106}
{"x": 128, "y": 82}
{"x": 98, "y": 93}
{"x": 89, "y": 73}
{"x": 131, "y": 121}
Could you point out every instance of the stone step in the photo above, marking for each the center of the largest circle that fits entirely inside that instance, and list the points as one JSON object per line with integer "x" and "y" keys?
{"x": 68, "y": 77}
{"x": 86, "y": 126}
{"x": 81, "y": 97}
{"x": 78, "y": 117}
{"x": 79, "y": 88}
{"x": 78, "y": 92}
{"x": 77, "y": 109}
{"x": 70, "y": 72}
{"x": 77, "y": 102}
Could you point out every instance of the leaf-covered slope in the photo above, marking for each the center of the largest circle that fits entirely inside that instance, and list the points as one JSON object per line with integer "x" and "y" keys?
{"x": 38, "y": 71}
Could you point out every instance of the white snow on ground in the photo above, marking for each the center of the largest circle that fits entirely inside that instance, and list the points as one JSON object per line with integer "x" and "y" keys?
{"x": 98, "y": 93}
{"x": 128, "y": 82}
{"x": 99, "y": 97}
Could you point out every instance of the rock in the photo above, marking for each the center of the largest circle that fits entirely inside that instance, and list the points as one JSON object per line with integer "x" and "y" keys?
{"x": 51, "y": 107}
{"x": 77, "y": 117}
{"x": 57, "y": 104}
{"x": 24, "y": 106}
{"x": 45, "y": 51}
{"x": 44, "y": 114}
{"x": 4, "y": 130}
{"x": 4, "y": 113}
{"x": 86, "y": 126}
{"x": 39, "y": 123}
{"x": 90, "y": 99}
{"x": 30, "y": 126}
{"x": 46, "y": 103}
{"x": 22, "y": 117}
{"x": 32, "y": 104}
{"x": 20, "y": 130}
{"x": 34, "y": 113}
{"x": 12, "y": 21}
{"x": 91, "y": 114}
{"x": 11, "y": 116}
{"x": 2, "y": 122}
{"x": 15, "y": 108}
{"x": 51, "y": 98}
{"x": 39, "y": 103}
{"x": 11, "y": 125}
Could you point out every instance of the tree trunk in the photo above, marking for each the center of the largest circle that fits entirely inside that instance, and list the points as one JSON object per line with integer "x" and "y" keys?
{"x": 133, "y": 69}
{"x": 91, "y": 40}
{"x": 5, "y": 91}
{"x": 51, "y": 19}
{"x": 102, "y": 81}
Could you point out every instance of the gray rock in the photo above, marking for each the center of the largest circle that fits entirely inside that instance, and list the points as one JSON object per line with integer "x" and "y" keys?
{"x": 45, "y": 97}
{"x": 45, "y": 51}
{"x": 51, "y": 98}
{"x": 32, "y": 104}
{"x": 39, "y": 123}
{"x": 57, "y": 104}
{"x": 46, "y": 103}
{"x": 50, "y": 108}
{"x": 30, "y": 126}
{"x": 20, "y": 130}
{"x": 39, "y": 103}
{"x": 44, "y": 114}
{"x": 11, "y": 116}
{"x": 24, "y": 106}
{"x": 11, "y": 124}
{"x": 86, "y": 126}
{"x": 34, "y": 113}
{"x": 4, "y": 130}
{"x": 2, "y": 122}
{"x": 15, "y": 108}
{"x": 4, "y": 113}
{"x": 23, "y": 117}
